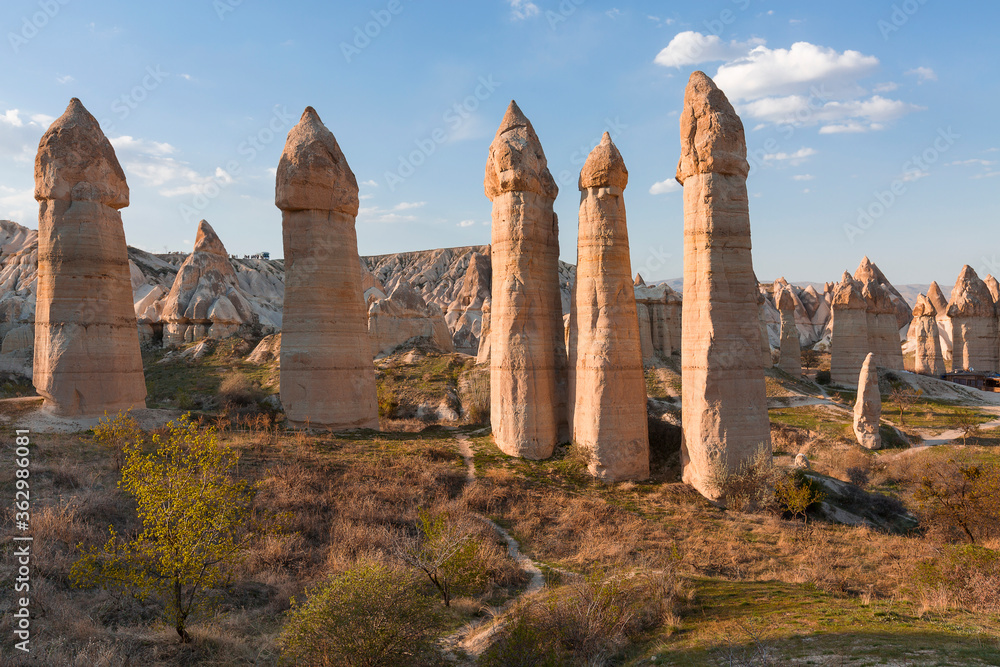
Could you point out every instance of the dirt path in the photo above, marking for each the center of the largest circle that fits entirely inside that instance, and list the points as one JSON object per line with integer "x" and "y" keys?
{"x": 944, "y": 437}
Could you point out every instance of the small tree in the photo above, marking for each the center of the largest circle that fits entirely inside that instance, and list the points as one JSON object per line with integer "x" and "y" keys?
{"x": 196, "y": 520}
{"x": 903, "y": 396}
{"x": 369, "y": 615}
{"x": 961, "y": 497}
{"x": 796, "y": 495}
{"x": 114, "y": 433}
{"x": 966, "y": 422}
{"x": 446, "y": 552}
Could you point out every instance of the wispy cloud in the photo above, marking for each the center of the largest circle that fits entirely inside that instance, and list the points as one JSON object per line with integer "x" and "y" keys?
{"x": 803, "y": 177}
{"x": 923, "y": 74}
{"x": 466, "y": 223}
{"x": 663, "y": 187}
{"x": 522, "y": 9}
{"x": 793, "y": 158}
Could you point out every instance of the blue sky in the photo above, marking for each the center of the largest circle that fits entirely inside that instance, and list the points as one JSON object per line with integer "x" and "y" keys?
{"x": 837, "y": 99}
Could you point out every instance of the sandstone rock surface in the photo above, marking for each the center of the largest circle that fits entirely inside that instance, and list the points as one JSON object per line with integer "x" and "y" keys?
{"x": 973, "y": 324}
{"x": 790, "y": 358}
{"x": 87, "y": 359}
{"x": 405, "y": 317}
{"x": 607, "y": 385}
{"x": 850, "y": 342}
{"x": 928, "y": 358}
{"x": 327, "y": 375}
{"x": 528, "y": 383}
{"x": 868, "y": 407}
{"x": 724, "y": 407}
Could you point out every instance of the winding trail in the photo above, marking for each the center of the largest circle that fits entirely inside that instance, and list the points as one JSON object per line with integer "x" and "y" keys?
{"x": 470, "y": 639}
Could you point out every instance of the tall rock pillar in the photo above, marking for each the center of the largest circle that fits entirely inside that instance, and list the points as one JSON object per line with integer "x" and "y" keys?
{"x": 927, "y": 356}
{"x": 850, "y": 342}
{"x": 790, "y": 359}
{"x": 528, "y": 378}
{"x": 606, "y": 374}
{"x": 327, "y": 375}
{"x": 724, "y": 407}
{"x": 973, "y": 324}
{"x": 87, "y": 359}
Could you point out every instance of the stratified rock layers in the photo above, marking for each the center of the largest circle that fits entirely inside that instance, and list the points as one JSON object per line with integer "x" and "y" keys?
{"x": 607, "y": 385}
{"x": 527, "y": 347}
{"x": 327, "y": 376}
{"x": 927, "y": 358}
{"x": 790, "y": 359}
{"x": 724, "y": 408}
{"x": 973, "y": 324}
{"x": 87, "y": 359}
{"x": 850, "y": 343}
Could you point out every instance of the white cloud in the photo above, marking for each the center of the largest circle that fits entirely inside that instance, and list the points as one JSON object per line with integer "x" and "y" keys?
{"x": 922, "y": 73}
{"x": 663, "y": 187}
{"x": 885, "y": 87}
{"x": 691, "y": 48}
{"x": 522, "y": 9}
{"x": 19, "y": 135}
{"x": 18, "y": 205}
{"x": 466, "y": 223}
{"x": 859, "y": 115}
{"x": 127, "y": 144}
{"x": 64, "y": 79}
{"x": 660, "y": 22}
{"x": 803, "y": 177}
{"x": 370, "y": 183}
{"x": 978, "y": 161}
{"x": 407, "y": 205}
{"x": 794, "y": 158}
{"x": 766, "y": 72}
{"x": 12, "y": 117}
{"x": 613, "y": 13}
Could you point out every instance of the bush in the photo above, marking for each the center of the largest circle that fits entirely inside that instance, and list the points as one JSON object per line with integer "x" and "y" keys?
{"x": 751, "y": 486}
{"x": 588, "y": 622}
{"x": 823, "y": 377}
{"x": 117, "y": 434}
{"x": 369, "y": 615}
{"x": 477, "y": 399}
{"x": 858, "y": 476}
{"x": 238, "y": 390}
{"x": 795, "y": 494}
{"x": 959, "y": 498}
{"x": 664, "y": 443}
{"x": 967, "y": 577}
{"x": 388, "y": 402}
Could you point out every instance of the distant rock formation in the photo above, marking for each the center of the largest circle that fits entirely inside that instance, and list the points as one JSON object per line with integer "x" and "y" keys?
{"x": 528, "y": 391}
{"x": 87, "y": 359}
{"x": 936, "y": 298}
{"x": 607, "y": 386}
{"x": 973, "y": 324}
{"x": 926, "y": 342}
{"x": 724, "y": 407}
{"x": 405, "y": 317}
{"x": 327, "y": 377}
{"x": 883, "y": 333}
{"x": 765, "y": 350}
{"x": 850, "y": 341}
{"x": 790, "y": 358}
{"x": 662, "y": 307}
{"x": 868, "y": 406}
{"x": 993, "y": 286}
{"x": 866, "y": 272}
{"x": 205, "y": 300}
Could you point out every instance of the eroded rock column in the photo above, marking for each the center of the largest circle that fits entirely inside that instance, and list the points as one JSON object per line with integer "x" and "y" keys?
{"x": 868, "y": 406}
{"x": 527, "y": 348}
{"x": 928, "y": 358}
{"x": 87, "y": 359}
{"x": 724, "y": 409}
{"x": 605, "y": 357}
{"x": 973, "y": 324}
{"x": 790, "y": 359}
{"x": 327, "y": 375}
{"x": 850, "y": 344}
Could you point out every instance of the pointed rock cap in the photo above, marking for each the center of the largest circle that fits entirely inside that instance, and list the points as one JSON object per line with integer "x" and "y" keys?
{"x": 786, "y": 300}
{"x": 877, "y": 298}
{"x": 712, "y": 137}
{"x": 993, "y": 286}
{"x": 639, "y": 282}
{"x": 866, "y": 271}
{"x": 924, "y": 307}
{"x": 847, "y": 296}
{"x": 845, "y": 279}
{"x": 971, "y": 297}
{"x": 313, "y": 172}
{"x": 208, "y": 241}
{"x": 604, "y": 167}
{"x": 75, "y": 161}
{"x": 936, "y": 297}
{"x": 516, "y": 161}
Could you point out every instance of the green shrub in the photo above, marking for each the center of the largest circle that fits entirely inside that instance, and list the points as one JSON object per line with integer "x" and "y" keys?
{"x": 966, "y": 577}
{"x": 795, "y": 494}
{"x": 239, "y": 390}
{"x": 823, "y": 377}
{"x": 751, "y": 486}
{"x": 369, "y": 615}
{"x": 388, "y": 403}
{"x": 959, "y": 498}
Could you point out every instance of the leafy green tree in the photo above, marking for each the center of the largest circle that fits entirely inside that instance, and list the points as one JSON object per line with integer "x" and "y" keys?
{"x": 796, "y": 495}
{"x": 960, "y": 496}
{"x": 447, "y": 552}
{"x": 196, "y": 520}
{"x": 114, "y": 433}
{"x": 369, "y": 615}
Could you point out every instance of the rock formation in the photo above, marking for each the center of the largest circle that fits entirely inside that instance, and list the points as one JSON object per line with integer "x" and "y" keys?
{"x": 850, "y": 344}
{"x": 464, "y": 315}
{"x": 662, "y": 307}
{"x": 528, "y": 354}
{"x": 645, "y": 334}
{"x": 790, "y": 359}
{"x": 483, "y": 354}
{"x": 923, "y": 333}
{"x": 327, "y": 377}
{"x": 724, "y": 408}
{"x": 404, "y": 317}
{"x": 866, "y": 272}
{"x": 882, "y": 321}
{"x": 936, "y": 297}
{"x": 973, "y": 324}
{"x": 994, "y": 287}
{"x": 87, "y": 359}
{"x": 868, "y": 407}
{"x": 607, "y": 385}
{"x": 765, "y": 342}
{"x": 205, "y": 299}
